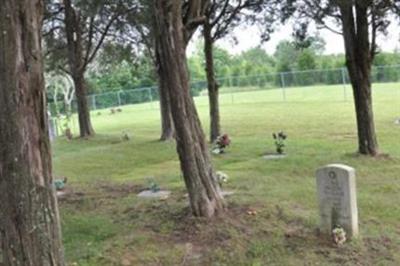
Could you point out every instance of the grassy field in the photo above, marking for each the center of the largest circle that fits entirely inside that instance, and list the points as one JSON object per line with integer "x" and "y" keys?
{"x": 104, "y": 223}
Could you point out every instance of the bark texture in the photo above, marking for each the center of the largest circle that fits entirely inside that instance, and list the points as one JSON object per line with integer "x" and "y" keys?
{"x": 359, "y": 57}
{"x": 213, "y": 95}
{"x": 167, "y": 124}
{"x": 77, "y": 67}
{"x": 29, "y": 220}
{"x": 198, "y": 173}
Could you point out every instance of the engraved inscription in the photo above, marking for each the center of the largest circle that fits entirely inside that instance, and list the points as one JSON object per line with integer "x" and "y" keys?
{"x": 337, "y": 207}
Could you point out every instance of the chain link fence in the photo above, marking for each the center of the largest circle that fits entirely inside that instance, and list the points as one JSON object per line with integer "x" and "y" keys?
{"x": 332, "y": 85}
{"x": 126, "y": 97}
{"x": 310, "y": 85}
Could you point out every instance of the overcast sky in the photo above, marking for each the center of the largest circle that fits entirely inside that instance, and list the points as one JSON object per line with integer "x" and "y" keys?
{"x": 249, "y": 37}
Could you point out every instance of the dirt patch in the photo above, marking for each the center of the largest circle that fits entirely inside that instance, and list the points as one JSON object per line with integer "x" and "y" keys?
{"x": 244, "y": 232}
{"x": 379, "y": 247}
{"x": 119, "y": 190}
{"x": 70, "y": 195}
{"x": 103, "y": 191}
{"x": 201, "y": 237}
{"x": 193, "y": 254}
{"x": 237, "y": 218}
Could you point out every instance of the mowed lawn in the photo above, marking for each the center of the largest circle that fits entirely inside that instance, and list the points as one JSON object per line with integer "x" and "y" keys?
{"x": 104, "y": 223}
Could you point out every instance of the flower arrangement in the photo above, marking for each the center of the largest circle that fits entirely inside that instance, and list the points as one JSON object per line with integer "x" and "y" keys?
{"x": 279, "y": 139}
{"x": 339, "y": 235}
{"x": 221, "y": 178}
{"x": 153, "y": 186}
{"x": 59, "y": 184}
{"x": 221, "y": 143}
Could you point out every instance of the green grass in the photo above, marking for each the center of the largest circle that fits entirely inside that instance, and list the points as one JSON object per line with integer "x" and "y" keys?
{"x": 111, "y": 226}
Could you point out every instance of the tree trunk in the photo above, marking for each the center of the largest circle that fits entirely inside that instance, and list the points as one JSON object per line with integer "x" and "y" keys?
{"x": 198, "y": 173}
{"x": 167, "y": 124}
{"x": 77, "y": 67}
{"x": 367, "y": 142}
{"x": 85, "y": 124}
{"x": 29, "y": 220}
{"x": 358, "y": 62}
{"x": 212, "y": 84}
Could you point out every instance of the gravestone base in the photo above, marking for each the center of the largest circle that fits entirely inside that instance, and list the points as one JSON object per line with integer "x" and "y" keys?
{"x": 64, "y": 193}
{"x": 68, "y": 194}
{"x": 217, "y": 151}
{"x": 274, "y": 156}
{"x": 336, "y": 185}
{"x": 227, "y": 193}
{"x": 61, "y": 193}
{"x": 148, "y": 194}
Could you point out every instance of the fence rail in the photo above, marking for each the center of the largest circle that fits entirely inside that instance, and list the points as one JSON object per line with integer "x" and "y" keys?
{"x": 278, "y": 86}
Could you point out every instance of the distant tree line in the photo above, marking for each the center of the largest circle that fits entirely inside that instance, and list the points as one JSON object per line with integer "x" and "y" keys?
{"x": 109, "y": 76}
{"x": 253, "y": 68}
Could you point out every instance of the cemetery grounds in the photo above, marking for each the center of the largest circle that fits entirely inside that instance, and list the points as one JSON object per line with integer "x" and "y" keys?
{"x": 272, "y": 219}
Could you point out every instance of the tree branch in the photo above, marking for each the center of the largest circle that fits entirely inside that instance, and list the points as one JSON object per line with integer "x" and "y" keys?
{"x": 100, "y": 42}
{"x": 221, "y": 14}
{"x": 90, "y": 39}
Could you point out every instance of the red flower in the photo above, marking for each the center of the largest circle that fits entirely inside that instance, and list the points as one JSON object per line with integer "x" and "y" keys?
{"x": 223, "y": 141}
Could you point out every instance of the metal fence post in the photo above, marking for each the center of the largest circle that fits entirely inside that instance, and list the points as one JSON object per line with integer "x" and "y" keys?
{"x": 94, "y": 102}
{"x": 119, "y": 98}
{"x": 150, "y": 97}
{"x": 231, "y": 89}
{"x": 344, "y": 84}
{"x": 283, "y": 85}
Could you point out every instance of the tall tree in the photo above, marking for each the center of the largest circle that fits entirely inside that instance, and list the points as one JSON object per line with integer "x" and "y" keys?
{"x": 167, "y": 123}
{"x": 143, "y": 23}
{"x": 77, "y": 65}
{"x": 222, "y": 16}
{"x": 360, "y": 22}
{"x": 29, "y": 220}
{"x": 175, "y": 23}
{"x": 78, "y": 30}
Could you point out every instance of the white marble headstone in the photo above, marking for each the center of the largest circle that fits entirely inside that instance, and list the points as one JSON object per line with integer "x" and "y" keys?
{"x": 337, "y": 198}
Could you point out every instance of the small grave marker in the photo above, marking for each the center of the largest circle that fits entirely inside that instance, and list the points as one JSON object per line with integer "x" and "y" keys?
{"x": 274, "y": 156}
{"x": 337, "y": 199}
{"x": 161, "y": 194}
